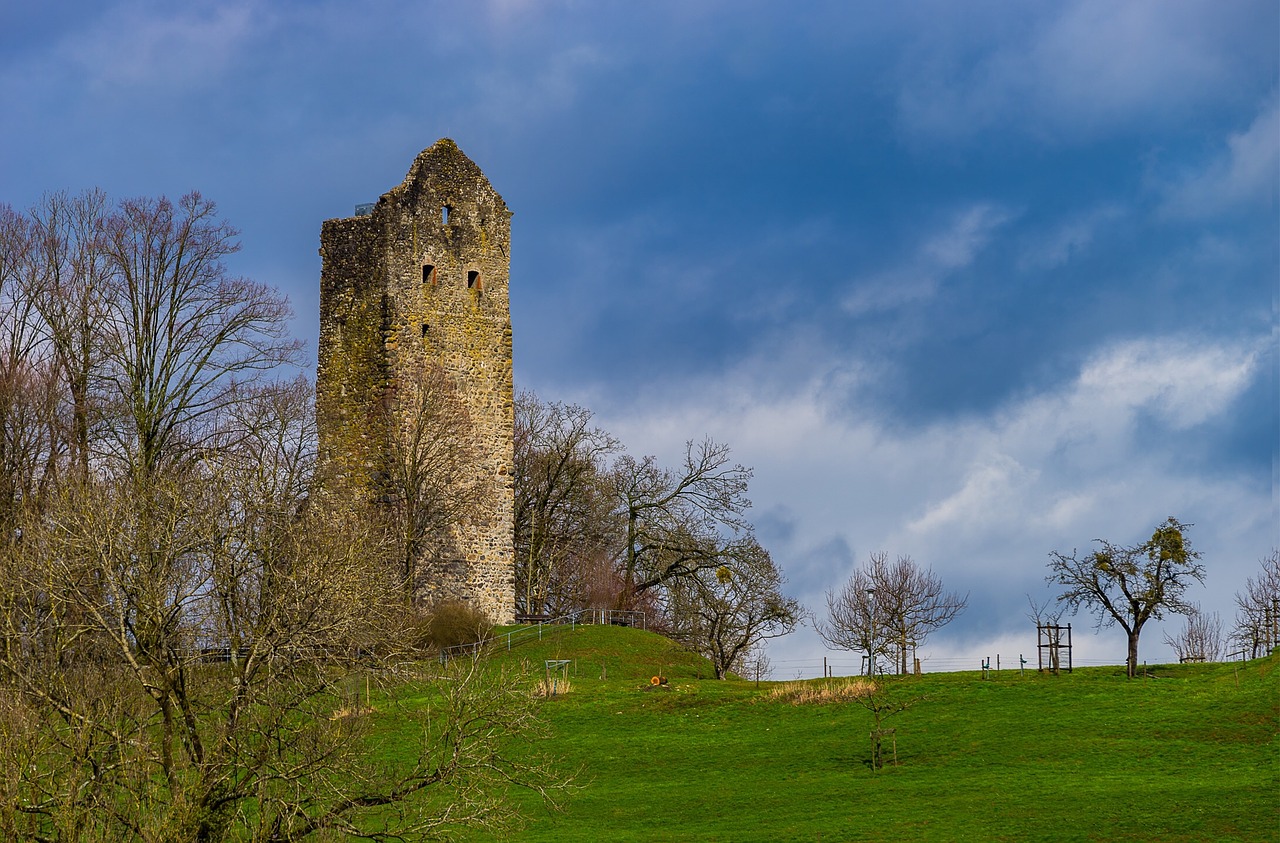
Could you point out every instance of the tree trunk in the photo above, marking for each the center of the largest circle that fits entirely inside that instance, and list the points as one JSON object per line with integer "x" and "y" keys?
{"x": 1133, "y": 653}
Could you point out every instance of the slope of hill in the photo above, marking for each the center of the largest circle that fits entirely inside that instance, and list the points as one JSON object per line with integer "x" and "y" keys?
{"x": 1186, "y": 754}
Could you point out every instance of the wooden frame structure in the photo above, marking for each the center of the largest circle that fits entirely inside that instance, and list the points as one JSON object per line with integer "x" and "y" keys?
{"x": 1049, "y": 642}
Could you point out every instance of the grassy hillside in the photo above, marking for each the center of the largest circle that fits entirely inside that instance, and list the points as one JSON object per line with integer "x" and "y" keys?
{"x": 1188, "y": 754}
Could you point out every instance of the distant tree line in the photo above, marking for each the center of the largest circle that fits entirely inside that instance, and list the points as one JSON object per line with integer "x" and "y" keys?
{"x": 885, "y": 610}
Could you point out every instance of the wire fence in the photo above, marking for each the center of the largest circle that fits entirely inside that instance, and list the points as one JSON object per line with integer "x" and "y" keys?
{"x": 996, "y": 662}
{"x": 537, "y": 628}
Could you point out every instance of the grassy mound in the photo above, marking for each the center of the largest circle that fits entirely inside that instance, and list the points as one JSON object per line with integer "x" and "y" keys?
{"x": 608, "y": 652}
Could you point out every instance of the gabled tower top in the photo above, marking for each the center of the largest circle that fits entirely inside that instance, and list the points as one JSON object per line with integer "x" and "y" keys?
{"x": 443, "y": 172}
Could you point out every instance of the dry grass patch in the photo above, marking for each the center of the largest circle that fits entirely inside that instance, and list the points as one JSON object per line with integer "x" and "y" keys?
{"x": 821, "y": 693}
{"x": 552, "y": 687}
{"x": 349, "y": 712}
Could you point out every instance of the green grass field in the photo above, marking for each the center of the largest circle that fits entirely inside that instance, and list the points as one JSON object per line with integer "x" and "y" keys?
{"x": 1188, "y": 754}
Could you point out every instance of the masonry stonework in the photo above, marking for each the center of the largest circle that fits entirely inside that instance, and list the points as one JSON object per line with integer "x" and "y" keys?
{"x": 416, "y": 280}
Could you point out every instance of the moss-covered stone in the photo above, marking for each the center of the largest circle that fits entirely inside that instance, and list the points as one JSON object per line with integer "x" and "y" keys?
{"x": 421, "y": 280}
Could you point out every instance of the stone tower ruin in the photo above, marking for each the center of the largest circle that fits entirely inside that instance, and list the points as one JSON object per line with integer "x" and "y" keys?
{"x": 413, "y": 292}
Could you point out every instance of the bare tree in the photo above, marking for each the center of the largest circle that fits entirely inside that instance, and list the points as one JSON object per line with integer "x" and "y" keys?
{"x": 1200, "y": 639}
{"x": 913, "y": 603}
{"x": 1257, "y": 628}
{"x": 429, "y": 482}
{"x": 884, "y": 698}
{"x": 182, "y": 338}
{"x": 887, "y": 609}
{"x": 1040, "y": 613}
{"x": 70, "y": 290}
{"x": 672, "y": 519}
{"x": 1130, "y": 585}
{"x": 1048, "y": 630}
{"x": 30, "y": 430}
{"x": 135, "y": 725}
{"x": 728, "y": 612}
{"x": 755, "y": 664}
{"x": 563, "y": 498}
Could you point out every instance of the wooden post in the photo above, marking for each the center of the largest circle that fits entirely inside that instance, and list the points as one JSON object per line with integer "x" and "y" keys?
{"x": 877, "y": 748}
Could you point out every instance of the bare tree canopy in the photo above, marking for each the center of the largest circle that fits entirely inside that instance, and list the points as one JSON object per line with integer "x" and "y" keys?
{"x": 70, "y": 291}
{"x": 565, "y": 526}
{"x": 888, "y": 609}
{"x": 727, "y": 612}
{"x": 1130, "y": 585}
{"x": 181, "y": 337}
{"x": 30, "y": 416}
{"x": 673, "y": 518}
{"x": 1200, "y": 639}
{"x": 672, "y": 542}
{"x": 429, "y": 485}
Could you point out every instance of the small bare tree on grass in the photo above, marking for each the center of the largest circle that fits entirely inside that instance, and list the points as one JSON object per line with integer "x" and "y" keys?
{"x": 887, "y": 609}
{"x": 1200, "y": 639}
{"x": 885, "y": 698}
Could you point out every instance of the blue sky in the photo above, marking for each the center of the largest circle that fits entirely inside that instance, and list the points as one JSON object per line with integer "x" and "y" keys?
{"x": 965, "y": 281}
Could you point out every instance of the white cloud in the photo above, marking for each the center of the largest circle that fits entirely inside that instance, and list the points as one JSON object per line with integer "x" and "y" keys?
{"x": 948, "y": 250}
{"x": 982, "y": 500}
{"x": 1071, "y": 238}
{"x": 1082, "y": 68}
{"x": 1186, "y": 385}
{"x": 956, "y": 247}
{"x": 993, "y": 484}
{"x": 1246, "y": 174}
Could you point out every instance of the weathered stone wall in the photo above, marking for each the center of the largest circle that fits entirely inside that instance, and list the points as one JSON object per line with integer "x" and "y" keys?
{"x": 423, "y": 280}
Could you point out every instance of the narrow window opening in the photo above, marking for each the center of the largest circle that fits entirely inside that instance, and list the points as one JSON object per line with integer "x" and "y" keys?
{"x": 473, "y": 280}
{"x": 428, "y": 273}
{"x": 445, "y": 213}
{"x": 425, "y": 329}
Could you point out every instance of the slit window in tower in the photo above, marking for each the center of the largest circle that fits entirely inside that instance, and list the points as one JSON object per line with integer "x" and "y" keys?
{"x": 473, "y": 280}
{"x": 428, "y": 273}
{"x": 446, "y": 212}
